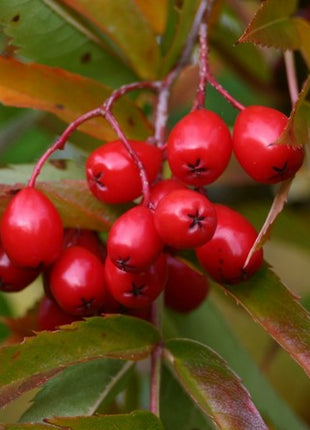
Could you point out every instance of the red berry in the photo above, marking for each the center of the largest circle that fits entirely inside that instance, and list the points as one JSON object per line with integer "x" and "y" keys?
{"x": 185, "y": 219}
{"x": 31, "y": 229}
{"x": 136, "y": 290}
{"x": 133, "y": 242}
{"x": 159, "y": 190}
{"x": 14, "y": 278}
{"x": 223, "y": 257}
{"x": 51, "y": 316}
{"x": 256, "y": 130}
{"x": 199, "y": 148}
{"x": 77, "y": 281}
{"x": 112, "y": 174}
{"x": 88, "y": 239}
{"x": 186, "y": 288}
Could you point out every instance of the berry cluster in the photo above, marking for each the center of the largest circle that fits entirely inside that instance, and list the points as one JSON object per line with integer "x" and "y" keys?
{"x": 84, "y": 276}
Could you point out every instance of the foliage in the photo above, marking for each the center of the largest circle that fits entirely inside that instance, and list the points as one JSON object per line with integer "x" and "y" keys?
{"x": 60, "y": 59}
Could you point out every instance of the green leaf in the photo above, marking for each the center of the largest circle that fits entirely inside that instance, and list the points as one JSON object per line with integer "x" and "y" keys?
{"x": 275, "y": 308}
{"x": 155, "y": 13}
{"x": 217, "y": 333}
{"x": 67, "y": 96}
{"x": 213, "y": 385}
{"x": 48, "y": 33}
{"x": 30, "y": 364}
{"x": 112, "y": 17}
{"x": 75, "y": 203}
{"x": 297, "y": 130}
{"x": 272, "y": 25}
{"x": 186, "y": 415}
{"x": 137, "y": 420}
{"x": 81, "y": 388}
{"x": 180, "y": 29}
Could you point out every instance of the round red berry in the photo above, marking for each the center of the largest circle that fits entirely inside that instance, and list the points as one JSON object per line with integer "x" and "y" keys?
{"x": 136, "y": 290}
{"x": 112, "y": 174}
{"x": 256, "y": 130}
{"x": 50, "y": 316}
{"x": 133, "y": 242}
{"x": 160, "y": 189}
{"x": 185, "y": 219}
{"x": 14, "y": 278}
{"x": 199, "y": 148}
{"x": 224, "y": 256}
{"x": 88, "y": 239}
{"x": 186, "y": 288}
{"x": 31, "y": 229}
{"x": 76, "y": 281}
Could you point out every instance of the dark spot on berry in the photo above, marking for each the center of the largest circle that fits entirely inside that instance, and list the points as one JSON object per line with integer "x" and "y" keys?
{"x": 98, "y": 180}
{"x": 59, "y": 106}
{"x": 86, "y": 58}
{"x": 86, "y": 304}
{"x": 196, "y": 220}
{"x": 15, "y": 18}
{"x": 196, "y": 169}
{"x": 221, "y": 261}
{"x": 279, "y": 171}
{"x": 122, "y": 264}
{"x": 137, "y": 290}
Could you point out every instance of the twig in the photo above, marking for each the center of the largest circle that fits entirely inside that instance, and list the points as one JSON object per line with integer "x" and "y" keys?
{"x": 291, "y": 76}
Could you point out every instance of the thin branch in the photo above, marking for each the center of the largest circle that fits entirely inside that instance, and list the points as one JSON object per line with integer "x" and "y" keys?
{"x": 291, "y": 76}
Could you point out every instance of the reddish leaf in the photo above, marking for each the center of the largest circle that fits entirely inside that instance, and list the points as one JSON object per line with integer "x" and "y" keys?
{"x": 272, "y": 25}
{"x": 276, "y": 208}
{"x": 213, "y": 385}
{"x": 275, "y": 308}
{"x": 75, "y": 203}
{"x": 297, "y": 131}
{"x": 30, "y": 364}
{"x": 67, "y": 96}
{"x": 21, "y": 327}
{"x": 124, "y": 23}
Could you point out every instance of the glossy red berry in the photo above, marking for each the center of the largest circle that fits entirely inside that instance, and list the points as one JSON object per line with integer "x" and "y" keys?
{"x": 186, "y": 288}
{"x": 133, "y": 242}
{"x": 14, "y": 278}
{"x": 112, "y": 174}
{"x": 88, "y": 239}
{"x": 31, "y": 229}
{"x": 136, "y": 290}
{"x": 160, "y": 189}
{"x": 185, "y": 219}
{"x": 224, "y": 256}
{"x": 77, "y": 281}
{"x": 256, "y": 130}
{"x": 50, "y": 316}
{"x": 199, "y": 148}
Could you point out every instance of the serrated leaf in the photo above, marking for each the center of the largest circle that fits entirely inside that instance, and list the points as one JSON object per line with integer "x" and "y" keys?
{"x": 82, "y": 388}
{"x": 181, "y": 27}
{"x": 30, "y": 364}
{"x": 213, "y": 385}
{"x": 75, "y": 203}
{"x": 186, "y": 415}
{"x": 67, "y": 96}
{"x": 273, "y": 25}
{"x": 275, "y": 308}
{"x": 276, "y": 208}
{"x": 47, "y": 33}
{"x": 218, "y": 334}
{"x": 137, "y": 420}
{"x": 112, "y": 17}
{"x": 297, "y": 130}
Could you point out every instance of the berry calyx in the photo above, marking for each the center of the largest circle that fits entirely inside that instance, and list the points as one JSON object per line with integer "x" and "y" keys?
{"x": 31, "y": 229}
{"x": 112, "y": 174}
{"x": 185, "y": 219}
{"x": 136, "y": 290}
{"x": 133, "y": 242}
{"x": 186, "y": 288}
{"x": 199, "y": 148}
{"x": 256, "y": 130}
{"x": 76, "y": 281}
{"x": 224, "y": 256}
